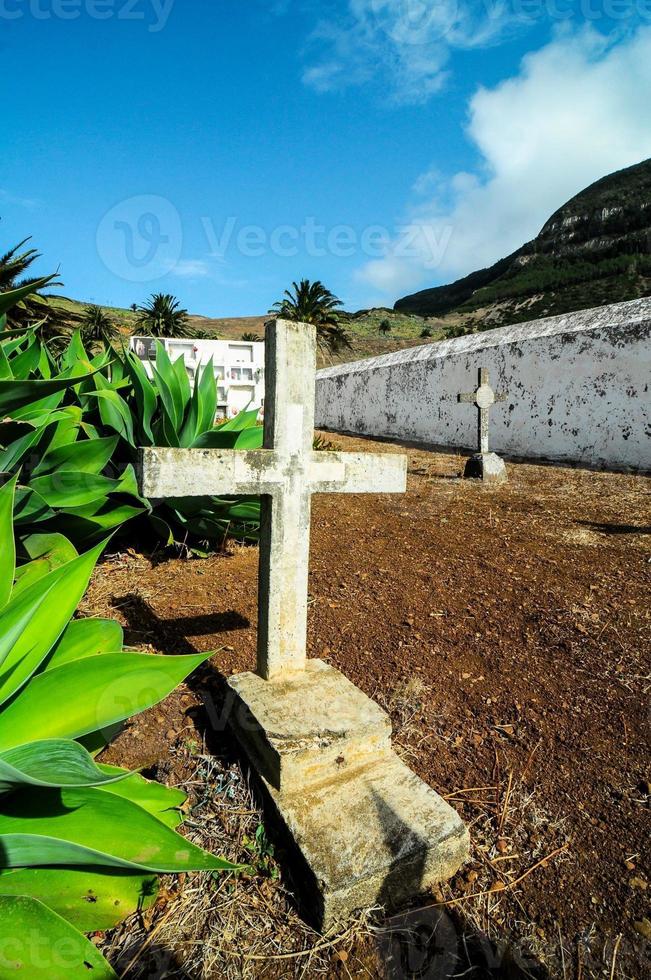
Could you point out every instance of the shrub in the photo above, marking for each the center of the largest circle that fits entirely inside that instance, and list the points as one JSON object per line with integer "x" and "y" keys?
{"x": 80, "y": 842}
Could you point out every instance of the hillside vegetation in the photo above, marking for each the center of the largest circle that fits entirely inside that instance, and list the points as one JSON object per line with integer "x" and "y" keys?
{"x": 596, "y": 249}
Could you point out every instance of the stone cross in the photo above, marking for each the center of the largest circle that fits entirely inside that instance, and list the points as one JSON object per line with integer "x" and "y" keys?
{"x": 483, "y": 397}
{"x": 285, "y": 473}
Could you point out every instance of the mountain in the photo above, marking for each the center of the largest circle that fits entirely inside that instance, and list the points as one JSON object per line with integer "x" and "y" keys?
{"x": 594, "y": 250}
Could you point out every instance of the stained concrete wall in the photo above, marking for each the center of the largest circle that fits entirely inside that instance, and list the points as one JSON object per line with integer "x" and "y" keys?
{"x": 578, "y": 390}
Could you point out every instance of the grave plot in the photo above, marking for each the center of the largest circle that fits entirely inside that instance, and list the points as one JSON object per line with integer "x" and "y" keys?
{"x": 506, "y": 631}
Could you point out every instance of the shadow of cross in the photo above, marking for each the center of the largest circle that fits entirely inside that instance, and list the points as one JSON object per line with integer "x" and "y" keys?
{"x": 484, "y": 398}
{"x": 285, "y": 473}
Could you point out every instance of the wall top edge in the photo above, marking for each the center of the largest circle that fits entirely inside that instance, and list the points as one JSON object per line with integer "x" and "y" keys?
{"x": 633, "y": 312}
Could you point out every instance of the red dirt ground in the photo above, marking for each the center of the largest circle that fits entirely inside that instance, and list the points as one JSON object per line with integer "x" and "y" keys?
{"x": 507, "y": 631}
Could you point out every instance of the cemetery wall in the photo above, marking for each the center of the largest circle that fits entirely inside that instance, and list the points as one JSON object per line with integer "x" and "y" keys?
{"x": 578, "y": 390}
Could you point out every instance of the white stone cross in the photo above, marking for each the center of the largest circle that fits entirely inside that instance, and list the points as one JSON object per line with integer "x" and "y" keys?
{"x": 285, "y": 474}
{"x": 484, "y": 398}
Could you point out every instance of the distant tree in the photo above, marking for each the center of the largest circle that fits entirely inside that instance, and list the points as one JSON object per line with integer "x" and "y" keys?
{"x": 134, "y": 307}
{"x": 162, "y": 316}
{"x": 97, "y": 327}
{"x": 53, "y": 320}
{"x": 311, "y": 302}
{"x": 425, "y": 332}
{"x": 384, "y": 327}
{"x": 251, "y": 338}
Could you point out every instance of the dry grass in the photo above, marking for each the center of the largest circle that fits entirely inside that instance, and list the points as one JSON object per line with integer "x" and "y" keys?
{"x": 228, "y": 926}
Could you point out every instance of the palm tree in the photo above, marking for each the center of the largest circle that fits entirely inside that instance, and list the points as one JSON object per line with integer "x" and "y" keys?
{"x": 162, "y": 316}
{"x": 97, "y": 327}
{"x": 311, "y": 302}
{"x": 384, "y": 327}
{"x": 251, "y": 338}
{"x": 54, "y": 321}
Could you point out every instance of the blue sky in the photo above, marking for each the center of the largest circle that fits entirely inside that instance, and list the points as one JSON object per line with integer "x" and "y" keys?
{"x": 217, "y": 150}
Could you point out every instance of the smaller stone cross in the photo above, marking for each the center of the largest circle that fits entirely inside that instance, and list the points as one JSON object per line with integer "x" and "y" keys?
{"x": 484, "y": 398}
{"x": 484, "y": 464}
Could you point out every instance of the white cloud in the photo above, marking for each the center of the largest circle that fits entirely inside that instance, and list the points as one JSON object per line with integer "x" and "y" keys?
{"x": 406, "y": 42}
{"x": 578, "y": 109}
{"x": 191, "y": 269}
{"x": 29, "y": 203}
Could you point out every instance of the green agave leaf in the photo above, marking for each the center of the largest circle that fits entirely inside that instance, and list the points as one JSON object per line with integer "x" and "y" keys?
{"x": 16, "y": 395}
{"x": 250, "y": 438}
{"x": 7, "y": 543}
{"x": 52, "y": 546}
{"x": 47, "y": 551}
{"x": 114, "y": 412}
{"x": 96, "y": 742}
{"x": 27, "y": 361}
{"x": 85, "y": 456}
{"x": 87, "y": 695}
{"x": 51, "y": 763}
{"x": 145, "y": 395}
{"x": 91, "y": 901}
{"x": 14, "y": 296}
{"x": 168, "y": 386}
{"x": 207, "y": 398}
{"x": 183, "y": 381}
{"x": 13, "y": 454}
{"x": 243, "y": 420}
{"x": 68, "y": 488}
{"x": 38, "y": 412}
{"x": 88, "y": 827}
{"x": 30, "y": 508}
{"x": 31, "y": 624}
{"x": 86, "y": 524}
{"x": 74, "y": 352}
{"x": 190, "y": 427}
{"x": 37, "y": 943}
{"x": 85, "y": 638}
{"x": 161, "y": 801}
{"x": 5, "y": 371}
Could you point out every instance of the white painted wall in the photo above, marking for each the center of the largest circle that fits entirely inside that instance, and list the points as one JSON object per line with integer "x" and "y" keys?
{"x": 238, "y": 365}
{"x": 578, "y": 390}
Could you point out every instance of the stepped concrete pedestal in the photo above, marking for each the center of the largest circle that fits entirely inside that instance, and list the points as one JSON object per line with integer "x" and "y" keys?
{"x": 364, "y": 828}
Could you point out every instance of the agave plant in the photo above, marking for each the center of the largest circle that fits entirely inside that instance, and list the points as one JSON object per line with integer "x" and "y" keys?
{"x": 80, "y": 842}
{"x": 168, "y": 411}
{"x": 68, "y": 481}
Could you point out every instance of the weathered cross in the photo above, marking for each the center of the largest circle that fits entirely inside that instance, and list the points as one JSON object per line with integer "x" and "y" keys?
{"x": 483, "y": 397}
{"x": 285, "y": 473}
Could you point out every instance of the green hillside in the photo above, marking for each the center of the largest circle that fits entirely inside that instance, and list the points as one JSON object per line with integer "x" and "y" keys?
{"x": 596, "y": 249}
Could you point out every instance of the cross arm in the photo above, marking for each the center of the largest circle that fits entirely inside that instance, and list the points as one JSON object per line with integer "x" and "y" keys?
{"x": 358, "y": 473}
{"x": 468, "y": 397}
{"x": 205, "y": 472}
{"x": 500, "y": 396}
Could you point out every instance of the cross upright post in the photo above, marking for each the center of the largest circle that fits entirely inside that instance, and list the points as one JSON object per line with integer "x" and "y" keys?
{"x": 285, "y": 473}
{"x": 484, "y": 464}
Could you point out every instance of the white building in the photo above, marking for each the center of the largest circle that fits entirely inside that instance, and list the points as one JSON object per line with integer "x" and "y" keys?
{"x": 238, "y": 366}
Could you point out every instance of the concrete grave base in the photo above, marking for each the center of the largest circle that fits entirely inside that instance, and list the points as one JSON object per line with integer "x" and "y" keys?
{"x": 488, "y": 467}
{"x": 364, "y": 829}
